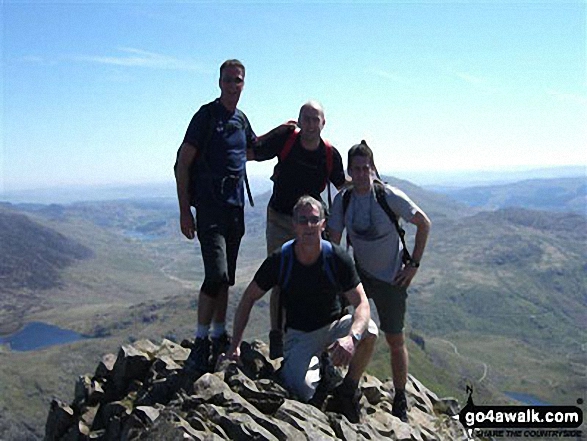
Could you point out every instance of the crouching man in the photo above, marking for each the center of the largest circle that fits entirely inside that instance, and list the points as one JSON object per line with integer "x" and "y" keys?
{"x": 311, "y": 273}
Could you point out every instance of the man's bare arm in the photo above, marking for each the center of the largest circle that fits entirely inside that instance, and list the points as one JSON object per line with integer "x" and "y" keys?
{"x": 286, "y": 126}
{"x": 187, "y": 155}
{"x": 241, "y": 317}
{"x": 343, "y": 349}
{"x": 405, "y": 276}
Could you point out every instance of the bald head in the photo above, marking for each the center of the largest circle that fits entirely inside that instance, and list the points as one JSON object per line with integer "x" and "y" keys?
{"x": 311, "y": 122}
{"x": 313, "y": 106}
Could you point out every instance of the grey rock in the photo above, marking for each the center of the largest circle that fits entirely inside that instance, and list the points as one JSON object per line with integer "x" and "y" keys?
{"x": 144, "y": 394}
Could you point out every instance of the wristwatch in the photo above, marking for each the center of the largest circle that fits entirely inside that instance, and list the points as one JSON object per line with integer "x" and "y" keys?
{"x": 413, "y": 264}
{"x": 357, "y": 337}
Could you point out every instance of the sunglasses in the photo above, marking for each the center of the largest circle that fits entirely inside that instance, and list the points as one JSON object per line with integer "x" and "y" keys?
{"x": 236, "y": 80}
{"x": 308, "y": 220}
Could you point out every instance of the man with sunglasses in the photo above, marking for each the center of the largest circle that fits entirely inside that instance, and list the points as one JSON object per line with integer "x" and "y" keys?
{"x": 213, "y": 153}
{"x": 313, "y": 311}
{"x": 378, "y": 251}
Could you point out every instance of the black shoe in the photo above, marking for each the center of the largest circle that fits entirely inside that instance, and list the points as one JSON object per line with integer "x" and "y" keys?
{"x": 400, "y": 406}
{"x": 329, "y": 378}
{"x": 275, "y": 344}
{"x": 345, "y": 401}
{"x": 198, "y": 360}
{"x": 219, "y": 346}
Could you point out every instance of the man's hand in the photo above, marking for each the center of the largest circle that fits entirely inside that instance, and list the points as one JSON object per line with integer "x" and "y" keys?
{"x": 187, "y": 224}
{"x": 342, "y": 351}
{"x": 405, "y": 276}
{"x": 289, "y": 125}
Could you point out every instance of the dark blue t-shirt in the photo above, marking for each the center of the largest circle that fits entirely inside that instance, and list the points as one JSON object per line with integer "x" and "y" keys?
{"x": 220, "y": 171}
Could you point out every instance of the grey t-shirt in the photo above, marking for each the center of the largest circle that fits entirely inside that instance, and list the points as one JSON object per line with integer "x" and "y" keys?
{"x": 376, "y": 244}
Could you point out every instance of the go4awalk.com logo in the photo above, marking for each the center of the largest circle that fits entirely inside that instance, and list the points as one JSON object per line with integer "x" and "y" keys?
{"x": 521, "y": 421}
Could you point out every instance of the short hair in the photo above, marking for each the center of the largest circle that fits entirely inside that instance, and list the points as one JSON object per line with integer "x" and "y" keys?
{"x": 361, "y": 149}
{"x": 232, "y": 63}
{"x": 308, "y": 200}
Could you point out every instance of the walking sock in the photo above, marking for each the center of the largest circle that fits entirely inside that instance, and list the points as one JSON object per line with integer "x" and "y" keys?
{"x": 202, "y": 331}
{"x": 218, "y": 329}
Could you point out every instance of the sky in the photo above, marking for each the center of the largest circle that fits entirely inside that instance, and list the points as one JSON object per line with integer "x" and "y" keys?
{"x": 97, "y": 93}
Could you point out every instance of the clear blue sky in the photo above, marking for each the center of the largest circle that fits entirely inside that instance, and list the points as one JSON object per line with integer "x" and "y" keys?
{"x": 102, "y": 92}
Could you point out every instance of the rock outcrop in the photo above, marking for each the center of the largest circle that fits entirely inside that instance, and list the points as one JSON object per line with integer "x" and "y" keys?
{"x": 143, "y": 394}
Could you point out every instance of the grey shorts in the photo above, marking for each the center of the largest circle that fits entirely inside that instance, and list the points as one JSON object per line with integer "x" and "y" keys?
{"x": 390, "y": 301}
{"x": 301, "y": 369}
{"x": 220, "y": 230}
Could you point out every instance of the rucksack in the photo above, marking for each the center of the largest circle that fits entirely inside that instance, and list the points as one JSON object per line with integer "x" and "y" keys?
{"x": 380, "y": 195}
{"x": 287, "y": 258}
{"x": 286, "y": 150}
{"x": 200, "y": 159}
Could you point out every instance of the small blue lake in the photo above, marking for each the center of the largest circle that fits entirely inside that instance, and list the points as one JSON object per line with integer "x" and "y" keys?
{"x": 38, "y": 335}
{"x": 527, "y": 399}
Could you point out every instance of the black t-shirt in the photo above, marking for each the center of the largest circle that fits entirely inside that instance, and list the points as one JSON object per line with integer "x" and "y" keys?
{"x": 220, "y": 179}
{"x": 303, "y": 172}
{"x": 311, "y": 300}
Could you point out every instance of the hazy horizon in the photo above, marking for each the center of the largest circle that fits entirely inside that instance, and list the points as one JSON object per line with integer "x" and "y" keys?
{"x": 261, "y": 183}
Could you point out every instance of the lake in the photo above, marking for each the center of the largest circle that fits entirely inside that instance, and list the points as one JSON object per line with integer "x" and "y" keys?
{"x": 527, "y": 399}
{"x": 38, "y": 335}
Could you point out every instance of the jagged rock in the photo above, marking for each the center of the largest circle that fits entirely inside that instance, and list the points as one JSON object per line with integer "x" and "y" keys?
{"x": 447, "y": 406}
{"x": 143, "y": 393}
{"x": 132, "y": 363}
{"x": 104, "y": 369}
{"x": 61, "y": 418}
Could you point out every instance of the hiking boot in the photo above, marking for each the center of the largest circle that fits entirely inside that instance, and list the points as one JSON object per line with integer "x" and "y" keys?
{"x": 219, "y": 346}
{"x": 198, "y": 358}
{"x": 275, "y": 344}
{"x": 345, "y": 401}
{"x": 328, "y": 380}
{"x": 400, "y": 406}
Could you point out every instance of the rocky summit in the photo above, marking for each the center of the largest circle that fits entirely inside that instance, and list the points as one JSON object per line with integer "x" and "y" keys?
{"x": 143, "y": 393}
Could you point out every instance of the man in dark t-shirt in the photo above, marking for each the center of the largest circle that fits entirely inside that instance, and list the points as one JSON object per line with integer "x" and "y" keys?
{"x": 313, "y": 310}
{"x": 303, "y": 171}
{"x": 213, "y": 154}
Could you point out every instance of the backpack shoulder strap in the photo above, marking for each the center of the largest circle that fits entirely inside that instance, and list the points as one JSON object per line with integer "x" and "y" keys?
{"x": 328, "y": 261}
{"x": 382, "y": 201}
{"x": 329, "y": 154}
{"x": 211, "y": 126}
{"x": 286, "y": 263}
{"x": 285, "y": 151}
{"x": 346, "y": 199}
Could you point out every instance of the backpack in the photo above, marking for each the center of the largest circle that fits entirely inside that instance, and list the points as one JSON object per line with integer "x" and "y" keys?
{"x": 285, "y": 151}
{"x": 287, "y": 258}
{"x": 380, "y": 195}
{"x": 201, "y": 158}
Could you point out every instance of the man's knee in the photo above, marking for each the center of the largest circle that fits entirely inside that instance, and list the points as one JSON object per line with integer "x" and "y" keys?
{"x": 396, "y": 342}
{"x": 300, "y": 379}
{"x": 213, "y": 287}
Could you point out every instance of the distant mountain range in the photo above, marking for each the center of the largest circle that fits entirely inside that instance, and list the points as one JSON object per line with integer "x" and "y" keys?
{"x": 439, "y": 182}
{"x": 563, "y": 194}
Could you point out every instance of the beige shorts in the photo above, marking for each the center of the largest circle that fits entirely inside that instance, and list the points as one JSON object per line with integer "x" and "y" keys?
{"x": 279, "y": 229}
